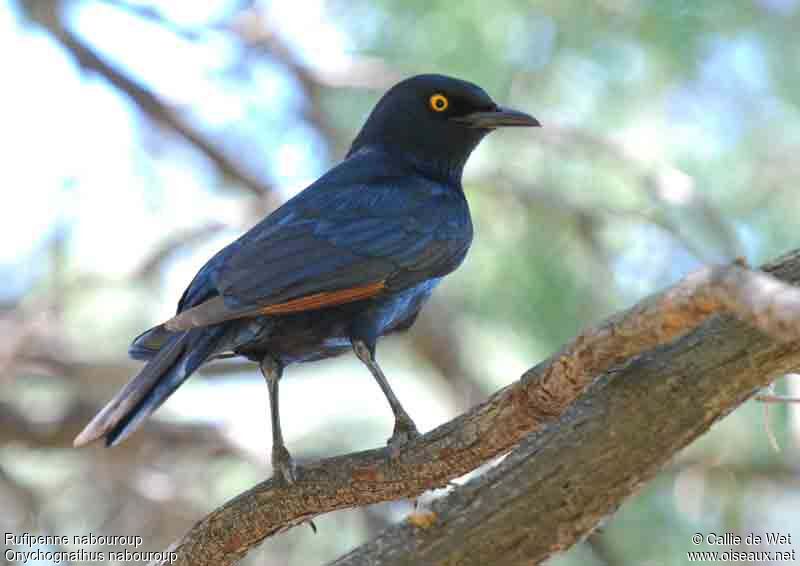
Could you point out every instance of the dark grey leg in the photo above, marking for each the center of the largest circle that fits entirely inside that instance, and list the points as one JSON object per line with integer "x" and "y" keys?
{"x": 282, "y": 463}
{"x": 404, "y": 427}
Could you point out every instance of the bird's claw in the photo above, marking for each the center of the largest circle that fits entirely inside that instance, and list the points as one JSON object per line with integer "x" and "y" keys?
{"x": 283, "y": 465}
{"x": 404, "y": 432}
{"x": 285, "y": 472}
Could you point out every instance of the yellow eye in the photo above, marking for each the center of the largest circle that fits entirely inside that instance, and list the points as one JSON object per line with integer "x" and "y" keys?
{"x": 438, "y": 102}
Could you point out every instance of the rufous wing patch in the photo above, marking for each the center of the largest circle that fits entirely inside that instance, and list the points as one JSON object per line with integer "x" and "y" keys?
{"x": 326, "y": 299}
{"x": 214, "y": 310}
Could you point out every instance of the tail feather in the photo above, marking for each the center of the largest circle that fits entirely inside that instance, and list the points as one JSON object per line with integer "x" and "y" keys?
{"x": 145, "y": 346}
{"x": 177, "y": 359}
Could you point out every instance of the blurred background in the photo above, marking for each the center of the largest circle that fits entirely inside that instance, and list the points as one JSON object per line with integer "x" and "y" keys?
{"x": 140, "y": 137}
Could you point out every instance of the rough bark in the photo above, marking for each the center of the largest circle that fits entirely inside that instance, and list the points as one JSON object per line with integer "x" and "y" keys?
{"x": 586, "y": 457}
{"x": 565, "y": 479}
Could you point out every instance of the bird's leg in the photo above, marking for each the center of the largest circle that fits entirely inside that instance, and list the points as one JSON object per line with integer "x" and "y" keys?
{"x": 282, "y": 463}
{"x": 404, "y": 427}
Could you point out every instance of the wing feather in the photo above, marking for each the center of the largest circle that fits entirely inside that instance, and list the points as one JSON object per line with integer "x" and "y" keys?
{"x": 343, "y": 239}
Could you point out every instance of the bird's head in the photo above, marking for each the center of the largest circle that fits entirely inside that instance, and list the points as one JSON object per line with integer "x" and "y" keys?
{"x": 435, "y": 122}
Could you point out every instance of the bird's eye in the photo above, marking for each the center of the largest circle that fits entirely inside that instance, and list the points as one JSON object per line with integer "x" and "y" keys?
{"x": 438, "y": 102}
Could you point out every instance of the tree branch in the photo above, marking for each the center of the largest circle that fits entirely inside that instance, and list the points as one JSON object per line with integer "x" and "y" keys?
{"x": 571, "y": 474}
{"x": 49, "y": 15}
{"x": 540, "y": 396}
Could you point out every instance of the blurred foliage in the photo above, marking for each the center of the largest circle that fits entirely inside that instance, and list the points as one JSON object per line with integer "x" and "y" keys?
{"x": 671, "y": 130}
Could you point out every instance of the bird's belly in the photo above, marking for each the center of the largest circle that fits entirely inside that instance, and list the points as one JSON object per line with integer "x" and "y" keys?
{"x": 300, "y": 337}
{"x": 316, "y": 335}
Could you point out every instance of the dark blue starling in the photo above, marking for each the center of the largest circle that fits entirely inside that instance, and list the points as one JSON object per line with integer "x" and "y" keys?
{"x": 351, "y": 258}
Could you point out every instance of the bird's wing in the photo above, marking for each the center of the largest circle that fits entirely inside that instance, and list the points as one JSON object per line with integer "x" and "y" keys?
{"x": 335, "y": 244}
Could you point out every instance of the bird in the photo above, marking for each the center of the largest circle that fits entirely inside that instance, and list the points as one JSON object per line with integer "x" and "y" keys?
{"x": 351, "y": 258}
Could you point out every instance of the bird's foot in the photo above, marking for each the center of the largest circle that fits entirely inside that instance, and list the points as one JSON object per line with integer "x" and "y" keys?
{"x": 285, "y": 472}
{"x": 404, "y": 432}
{"x": 283, "y": 467}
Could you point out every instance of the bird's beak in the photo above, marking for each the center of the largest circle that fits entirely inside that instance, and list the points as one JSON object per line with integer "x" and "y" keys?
{"x": 498, "y": 118}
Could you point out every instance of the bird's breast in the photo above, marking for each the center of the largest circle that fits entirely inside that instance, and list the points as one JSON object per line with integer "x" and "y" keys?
{"x": 398, "y": 310}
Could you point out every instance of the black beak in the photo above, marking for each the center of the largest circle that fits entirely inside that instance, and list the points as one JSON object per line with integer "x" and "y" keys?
{"x": 498, "y": 118}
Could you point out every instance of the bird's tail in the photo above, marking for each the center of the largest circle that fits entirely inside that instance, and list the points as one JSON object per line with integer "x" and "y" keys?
{"x": 180, "y": 355}
{"x": 145, "y": 346}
